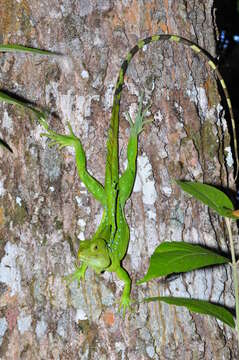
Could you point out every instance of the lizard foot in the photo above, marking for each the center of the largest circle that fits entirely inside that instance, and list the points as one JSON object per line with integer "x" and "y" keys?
{"x": 137, "y": 126}
{"x": 124, "y": 304}
{"x": 62, "y": 140}
{"x": 78, "y": 274}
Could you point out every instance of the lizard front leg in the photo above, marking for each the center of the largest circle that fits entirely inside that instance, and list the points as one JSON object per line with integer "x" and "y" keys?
{"x": 90, "y": 182}
{"x": 78, "y": 274}
{"x": 125, "y": 297}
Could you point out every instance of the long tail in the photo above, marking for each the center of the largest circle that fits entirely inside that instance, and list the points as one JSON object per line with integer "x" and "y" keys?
{"x": 112, "y": 140}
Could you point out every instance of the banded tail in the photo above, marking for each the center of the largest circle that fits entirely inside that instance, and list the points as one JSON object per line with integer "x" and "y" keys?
{"x": 119, "y": 86}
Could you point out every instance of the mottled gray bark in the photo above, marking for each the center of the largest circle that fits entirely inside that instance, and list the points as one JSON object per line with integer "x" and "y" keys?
{"x": 45, "y": 209}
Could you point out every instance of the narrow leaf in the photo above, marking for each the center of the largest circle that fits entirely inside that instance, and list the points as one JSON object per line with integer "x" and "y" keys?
{"x": 24, "y": 49}
{"x": 210, "y": 196}
{"x": 198, "y": 306}
{"x": 177, "y": 257}
{"x": 12, "y": 100}
{"x": 4, "y": 144}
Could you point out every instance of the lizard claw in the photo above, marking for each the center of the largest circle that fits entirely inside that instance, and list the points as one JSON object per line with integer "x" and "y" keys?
{"x": 78, "y": 274}
{"x": 124, "y": 304}
{"x": 137, "y": 126}
{"x": 61, "y": 140}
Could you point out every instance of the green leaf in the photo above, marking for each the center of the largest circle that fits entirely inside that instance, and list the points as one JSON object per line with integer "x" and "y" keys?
{"x": 24, "y": 49}
{"x": 177, "y": 257}
{"x": 198, "y": 306}
{"x": 210, "y": 196}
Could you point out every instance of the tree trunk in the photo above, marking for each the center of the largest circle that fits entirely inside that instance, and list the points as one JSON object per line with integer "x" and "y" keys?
{"x": 45, "y": 209}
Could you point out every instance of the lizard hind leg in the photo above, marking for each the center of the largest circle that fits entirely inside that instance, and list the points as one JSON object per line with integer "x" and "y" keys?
{"x": 95, "y": 187}
{"x": 137, "y": 126}
{"x": 127, "y": 179}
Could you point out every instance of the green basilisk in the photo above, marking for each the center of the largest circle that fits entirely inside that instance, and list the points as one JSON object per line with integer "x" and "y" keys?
{"x": 108, "y": 246}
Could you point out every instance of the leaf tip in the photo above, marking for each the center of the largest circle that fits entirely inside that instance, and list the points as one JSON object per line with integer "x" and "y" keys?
{"x": 235, "y": 213}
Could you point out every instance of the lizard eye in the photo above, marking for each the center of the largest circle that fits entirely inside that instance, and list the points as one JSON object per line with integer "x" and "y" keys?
{"x": 95, "y": 247}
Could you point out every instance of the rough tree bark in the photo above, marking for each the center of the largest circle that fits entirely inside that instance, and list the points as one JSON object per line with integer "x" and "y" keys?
{"x": 45, "y": 209}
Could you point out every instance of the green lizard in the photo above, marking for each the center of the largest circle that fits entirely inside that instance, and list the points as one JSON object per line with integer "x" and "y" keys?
{"x": 108, "y": 246}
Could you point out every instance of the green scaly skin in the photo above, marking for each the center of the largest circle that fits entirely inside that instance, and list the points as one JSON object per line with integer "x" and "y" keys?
{"x": 108, "y": 246}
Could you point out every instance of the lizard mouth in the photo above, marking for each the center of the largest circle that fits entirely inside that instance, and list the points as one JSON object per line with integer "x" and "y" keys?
{"x": 95, "y": 261}
{"x": 84, "y": 258}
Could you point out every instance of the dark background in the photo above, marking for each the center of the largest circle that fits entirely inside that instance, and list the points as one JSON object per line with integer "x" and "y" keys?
{"x": 227, "y": 18}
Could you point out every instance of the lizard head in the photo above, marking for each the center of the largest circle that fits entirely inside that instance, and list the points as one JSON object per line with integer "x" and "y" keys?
{"x": 95, "y": 254}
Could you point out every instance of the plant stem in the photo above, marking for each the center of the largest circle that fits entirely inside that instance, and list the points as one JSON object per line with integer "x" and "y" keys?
{"x": 234, "y": 274}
